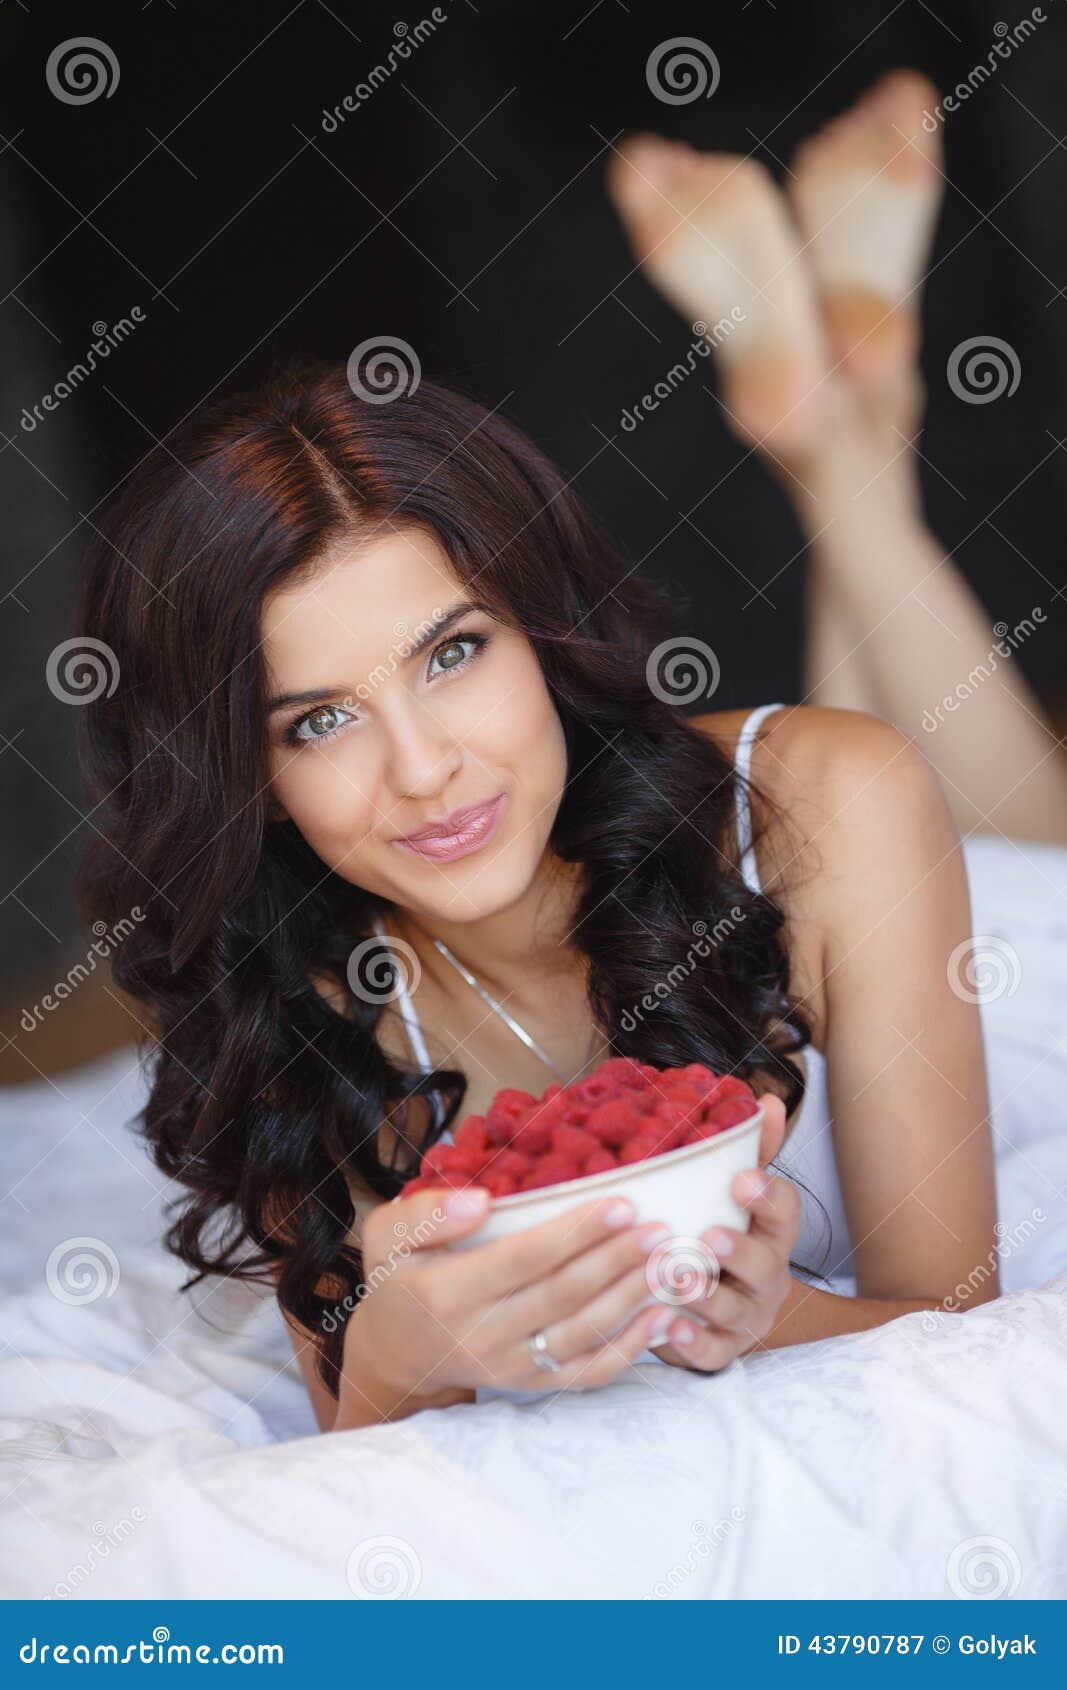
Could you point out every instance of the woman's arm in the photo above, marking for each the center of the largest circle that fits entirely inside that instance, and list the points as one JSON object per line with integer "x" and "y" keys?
{"x": 877, "y": 904}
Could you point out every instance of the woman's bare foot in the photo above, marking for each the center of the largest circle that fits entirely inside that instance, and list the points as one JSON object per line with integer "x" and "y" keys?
{"x": 715, "y": 236}
{"x": 866, "y": 192}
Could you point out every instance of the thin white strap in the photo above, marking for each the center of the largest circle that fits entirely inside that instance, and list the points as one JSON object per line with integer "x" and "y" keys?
{"x": 407, "y": 1010}
{"x": 743, "y": 763}
{"x": 415, "y": 1034}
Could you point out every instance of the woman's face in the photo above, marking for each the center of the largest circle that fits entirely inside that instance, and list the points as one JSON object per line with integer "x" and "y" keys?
{"x": 389, "y": 713}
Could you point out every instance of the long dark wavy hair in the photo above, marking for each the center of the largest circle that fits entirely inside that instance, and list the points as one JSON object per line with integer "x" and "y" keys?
{"x": 264, "y": 1092}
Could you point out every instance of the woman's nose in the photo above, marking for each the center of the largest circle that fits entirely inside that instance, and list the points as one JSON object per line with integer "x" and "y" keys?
{"x": 421, "y": 756}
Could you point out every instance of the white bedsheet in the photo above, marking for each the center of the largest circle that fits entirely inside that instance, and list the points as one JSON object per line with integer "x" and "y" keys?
{"x": 159, "y": 1444}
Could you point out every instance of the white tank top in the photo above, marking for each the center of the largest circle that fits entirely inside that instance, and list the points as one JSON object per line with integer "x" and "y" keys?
{"x": 807, "y": 1157}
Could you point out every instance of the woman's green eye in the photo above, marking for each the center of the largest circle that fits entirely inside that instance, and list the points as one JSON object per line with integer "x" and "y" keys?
{"x": 455, "y": 648}
{"x": 320, "y": 722}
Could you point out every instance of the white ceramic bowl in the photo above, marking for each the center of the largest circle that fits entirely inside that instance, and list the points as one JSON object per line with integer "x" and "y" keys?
{"x": 688, "y": 1189}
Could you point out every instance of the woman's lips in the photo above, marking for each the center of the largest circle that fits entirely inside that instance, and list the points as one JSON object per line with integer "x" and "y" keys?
{"x": 478, "y": 827}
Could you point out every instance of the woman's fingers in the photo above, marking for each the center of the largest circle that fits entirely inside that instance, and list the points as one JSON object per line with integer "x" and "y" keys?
{"x": 694, "y": 1345}
{"x": 505, "y": 1264}
{"x": 590, "y": 1282}
{"x": 593, "y": 1322}
{"x": 772, "y": 1133}
{"x": 424, "y": 1220}
{"x": 603, "y": 1362}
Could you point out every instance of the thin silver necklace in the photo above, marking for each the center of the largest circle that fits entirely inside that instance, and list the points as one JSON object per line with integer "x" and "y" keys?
{"x": 509, "y": 1020}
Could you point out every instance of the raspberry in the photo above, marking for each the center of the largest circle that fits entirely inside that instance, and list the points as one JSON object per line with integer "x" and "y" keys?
{"x": 435, "y": 1159}
{"x": 731, "y": 1086}
{"x": 511, "y": 1163}
{"x": 625, "y": 1112}
{"x": 534, "y": 1136}
{"x": 614, "y": 1122}
{"x": 572, "y": 1141}
{"x": 639, "y": 1148}
{"x": 577, "y": 1113}
{"x": 500, "y": 1185}
{"x": 730, "y": 1113}
{"x": 697, "y": 1075}
{"x": 600, "y": 1161}
{"x": 598, "y": 1087}
{"x": 623, "y": 1072}
{"x": 507, "y": 1111}
{"x": 471, "y": 1134}
{"x": 552, "y": 1169}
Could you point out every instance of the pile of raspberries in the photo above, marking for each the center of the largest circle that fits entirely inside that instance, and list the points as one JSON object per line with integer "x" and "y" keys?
{"x": 625, "y": 1111}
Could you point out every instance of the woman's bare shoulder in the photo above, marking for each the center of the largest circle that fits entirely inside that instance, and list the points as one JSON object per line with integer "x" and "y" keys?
{"x": 831, "y": 789}
{"x": 812, "y": 762}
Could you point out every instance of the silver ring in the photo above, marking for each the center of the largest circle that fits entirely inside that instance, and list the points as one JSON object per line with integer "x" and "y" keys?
{"x": 542, "y": 1355}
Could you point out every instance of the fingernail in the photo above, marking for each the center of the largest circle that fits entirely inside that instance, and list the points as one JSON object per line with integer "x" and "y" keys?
{"x": 660, "y": 1327}
{"x": 654, "y": 1235}
{"x": 620, "y": 1212}
{"x": 684, "y": 1336}
{"x": 756, "y": 1186}
{"x": 721, "y": 1242}
{"x": 462, "y": 1204}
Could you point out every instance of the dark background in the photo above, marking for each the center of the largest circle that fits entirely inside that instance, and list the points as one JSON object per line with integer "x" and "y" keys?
{"x": 462, "y": 208}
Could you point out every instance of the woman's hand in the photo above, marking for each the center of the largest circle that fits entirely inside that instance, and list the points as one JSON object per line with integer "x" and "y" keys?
{"x": 707, "y": 1333}
{"x": 436, "y": 1321}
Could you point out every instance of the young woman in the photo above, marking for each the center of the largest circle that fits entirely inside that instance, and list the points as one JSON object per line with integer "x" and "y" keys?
{"x": 387, "y": 693}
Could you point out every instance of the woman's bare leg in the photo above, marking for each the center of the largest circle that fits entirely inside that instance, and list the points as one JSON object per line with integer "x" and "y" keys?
{"x": 865, "y": 193}
{"x": 821, "y": 375}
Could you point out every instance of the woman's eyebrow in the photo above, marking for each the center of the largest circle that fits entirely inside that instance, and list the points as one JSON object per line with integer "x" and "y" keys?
{"x": 285, "y": 700}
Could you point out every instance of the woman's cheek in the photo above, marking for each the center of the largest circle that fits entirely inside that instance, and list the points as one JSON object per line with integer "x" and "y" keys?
{"x": 324, "y": 796}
